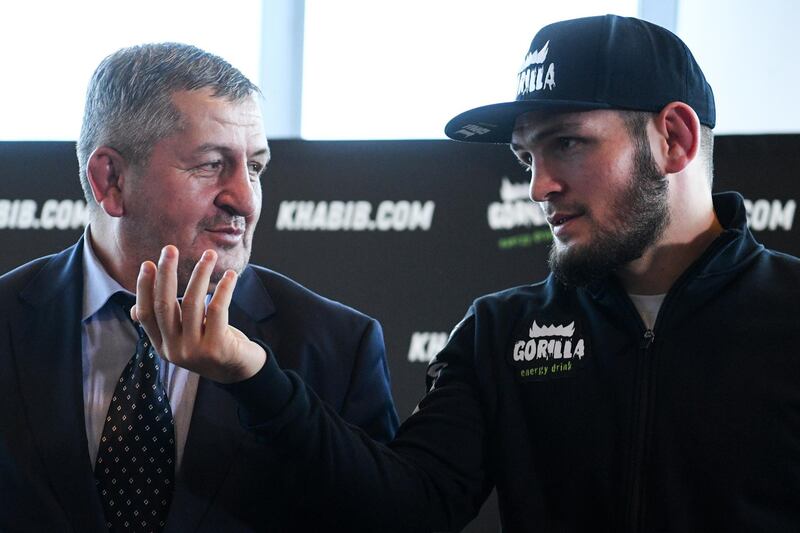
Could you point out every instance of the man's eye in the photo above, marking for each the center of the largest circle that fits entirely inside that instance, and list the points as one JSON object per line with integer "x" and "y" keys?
{"x": 255, "y": 168}
{"x": 211, "y": 165}
{"x": 566, "y": 143}
{"x": 525, "y": 159}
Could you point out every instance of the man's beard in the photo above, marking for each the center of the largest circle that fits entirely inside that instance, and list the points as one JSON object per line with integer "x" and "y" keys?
{"x": 187, "y": 264}
{"x": 642, "y": 216}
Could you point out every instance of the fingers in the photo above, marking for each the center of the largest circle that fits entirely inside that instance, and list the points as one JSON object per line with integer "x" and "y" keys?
{"x": 143, "y": 310}
{"x": 193, "y": 310}
{"x": 157, "y": 307}
{"x": 217, "y": 312}
{"x": 189, "y": 334}
{"x": 165, "y": 302}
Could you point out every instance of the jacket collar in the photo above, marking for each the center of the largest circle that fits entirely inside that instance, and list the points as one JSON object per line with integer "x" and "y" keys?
{"x": 731, "y": 250}
{"x": 725, "y": 257}
{"x": 251, "y": 298}
{"x": 736, "y": 246}
{"x": 60, "y": 275}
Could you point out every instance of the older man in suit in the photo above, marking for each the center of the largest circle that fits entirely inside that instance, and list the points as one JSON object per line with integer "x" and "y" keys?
{"x": 100, "y": 433}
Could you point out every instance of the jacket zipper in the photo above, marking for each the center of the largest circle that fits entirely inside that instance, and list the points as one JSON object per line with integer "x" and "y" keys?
{"x": 636, "y": 510}
{"x": 640, "y": 432}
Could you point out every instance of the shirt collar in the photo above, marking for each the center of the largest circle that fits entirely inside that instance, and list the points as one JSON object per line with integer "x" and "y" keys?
{"x": 98, "y": 286}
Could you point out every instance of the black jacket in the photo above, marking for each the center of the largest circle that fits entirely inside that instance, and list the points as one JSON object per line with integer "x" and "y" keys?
{"x": 582, "y": 418}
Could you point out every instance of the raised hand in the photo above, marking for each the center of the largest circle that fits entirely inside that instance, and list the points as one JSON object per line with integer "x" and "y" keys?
{"x": 189, "y": 333}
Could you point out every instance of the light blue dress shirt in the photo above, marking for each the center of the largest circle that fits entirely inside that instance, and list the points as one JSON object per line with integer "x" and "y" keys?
{"x": 108, "y": 340}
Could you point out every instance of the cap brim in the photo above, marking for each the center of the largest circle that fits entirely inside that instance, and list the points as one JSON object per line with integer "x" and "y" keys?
{"x": 495, "y": 123}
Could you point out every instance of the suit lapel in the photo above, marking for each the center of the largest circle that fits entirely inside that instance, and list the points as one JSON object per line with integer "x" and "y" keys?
{"x": 213, "y": 440}
{"x": 46, "y": 344}
{"x": 215, "y": 435}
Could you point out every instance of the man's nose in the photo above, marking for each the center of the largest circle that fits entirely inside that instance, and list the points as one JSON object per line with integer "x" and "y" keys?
{"x": 240, "y": 191}
{"x": 544, "y": 182}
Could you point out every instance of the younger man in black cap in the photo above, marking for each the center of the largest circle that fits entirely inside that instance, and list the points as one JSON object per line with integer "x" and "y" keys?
{"x": 628, "y": 391}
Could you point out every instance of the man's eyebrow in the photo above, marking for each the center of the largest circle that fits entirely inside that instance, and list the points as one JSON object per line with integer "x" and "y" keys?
{"x": 210, "y": 147}
{"x": 263, "y": 151}
{"x": 547, "y": 131}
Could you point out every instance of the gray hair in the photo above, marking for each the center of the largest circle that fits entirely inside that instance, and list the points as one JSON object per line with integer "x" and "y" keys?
{"x": 129, "y": 100}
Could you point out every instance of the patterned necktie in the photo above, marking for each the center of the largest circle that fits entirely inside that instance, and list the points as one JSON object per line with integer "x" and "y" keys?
{"x": 135, "y": 465}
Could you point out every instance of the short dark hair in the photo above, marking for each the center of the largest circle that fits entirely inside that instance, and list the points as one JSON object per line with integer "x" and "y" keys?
{"x": 636, "y": 124}
{"x": 129, "y": 100}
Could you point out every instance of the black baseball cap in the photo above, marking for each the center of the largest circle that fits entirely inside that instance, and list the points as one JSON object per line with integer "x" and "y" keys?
{"x": 605, "y": 62}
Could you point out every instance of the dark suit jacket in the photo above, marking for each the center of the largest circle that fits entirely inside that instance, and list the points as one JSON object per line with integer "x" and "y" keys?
{"x": 228, "y": 481}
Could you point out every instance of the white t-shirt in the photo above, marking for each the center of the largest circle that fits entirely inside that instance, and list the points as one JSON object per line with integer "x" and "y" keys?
{"x": 648, "y": 306}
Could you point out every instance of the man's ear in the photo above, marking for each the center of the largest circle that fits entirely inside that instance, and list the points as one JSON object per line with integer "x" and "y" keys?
{"x": 679, "y": 129}
{"x": 106, "y": 171}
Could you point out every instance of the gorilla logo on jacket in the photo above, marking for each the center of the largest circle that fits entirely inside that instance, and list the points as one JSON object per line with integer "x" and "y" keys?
{"x": 550, "y": 350}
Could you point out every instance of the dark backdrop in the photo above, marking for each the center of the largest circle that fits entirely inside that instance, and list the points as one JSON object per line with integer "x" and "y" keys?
{"x": 406, "y": 231}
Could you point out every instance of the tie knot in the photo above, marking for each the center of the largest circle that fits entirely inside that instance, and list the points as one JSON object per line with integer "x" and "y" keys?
{"x": 124, "y": 300}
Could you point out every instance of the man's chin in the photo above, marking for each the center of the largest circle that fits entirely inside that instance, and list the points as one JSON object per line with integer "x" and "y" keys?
{"x": 220, "y": 270}
{"x": 228, "y": 263}
{"x": 579, "y": 266}
{"x": 186, "y": 267}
